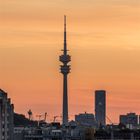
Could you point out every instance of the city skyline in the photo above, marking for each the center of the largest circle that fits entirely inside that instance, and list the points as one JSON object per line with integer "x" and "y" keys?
{"x": 104, "y": 44}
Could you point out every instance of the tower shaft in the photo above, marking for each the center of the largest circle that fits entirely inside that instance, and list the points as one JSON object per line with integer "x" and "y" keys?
{"x": 65, "y": 99}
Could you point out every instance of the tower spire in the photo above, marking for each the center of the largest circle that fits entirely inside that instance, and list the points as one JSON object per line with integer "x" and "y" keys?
{"x": 65, "y": 70}
{"x": 65, "y": 35}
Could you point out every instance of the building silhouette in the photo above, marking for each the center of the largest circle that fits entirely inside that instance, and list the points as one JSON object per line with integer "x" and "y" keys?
{"x": 6, "y": 117}
{"x": 65, "y": 70}
{"x": 86, "y": 119}
{"x": 100, "y": 107}
{"x": 130, "y": 120}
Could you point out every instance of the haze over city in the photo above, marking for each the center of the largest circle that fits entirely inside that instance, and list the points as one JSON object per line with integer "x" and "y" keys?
{"x": 103, "y": 39}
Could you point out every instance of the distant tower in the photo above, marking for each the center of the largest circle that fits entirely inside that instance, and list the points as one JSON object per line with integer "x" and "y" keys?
{"x": 100, "y": 107}
{"x": 30, "y": 114}
{"x": 65, "y": 70}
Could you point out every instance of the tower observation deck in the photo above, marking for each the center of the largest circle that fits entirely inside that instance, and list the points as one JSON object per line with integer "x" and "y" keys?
{"x": 65, "y": 70}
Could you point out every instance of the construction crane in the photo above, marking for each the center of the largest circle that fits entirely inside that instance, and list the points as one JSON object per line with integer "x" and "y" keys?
{"x": 40, "y": 116}
{"x": 54, "y": 118}
{"x": 45, "y": 116}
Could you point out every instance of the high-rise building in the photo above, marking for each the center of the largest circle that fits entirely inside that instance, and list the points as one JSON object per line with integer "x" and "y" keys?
{"x": 100, "y": 107}
{"x": 65, "y": 70}
{"x": 130, "y": 120}
{"x": 6, "y": 117}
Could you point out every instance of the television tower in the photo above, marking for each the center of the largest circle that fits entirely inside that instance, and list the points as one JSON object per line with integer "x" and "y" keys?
{"x": 65, "y": 70}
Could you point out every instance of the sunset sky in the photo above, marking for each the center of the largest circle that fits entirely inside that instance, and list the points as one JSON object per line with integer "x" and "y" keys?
{"x": 104, "y": 42}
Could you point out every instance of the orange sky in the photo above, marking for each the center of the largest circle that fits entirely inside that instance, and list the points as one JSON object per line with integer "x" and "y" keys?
{"x": 103, "y": 39}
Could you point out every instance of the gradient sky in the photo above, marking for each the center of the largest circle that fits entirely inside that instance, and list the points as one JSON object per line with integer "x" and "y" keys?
{"x": 103, "y": 39}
